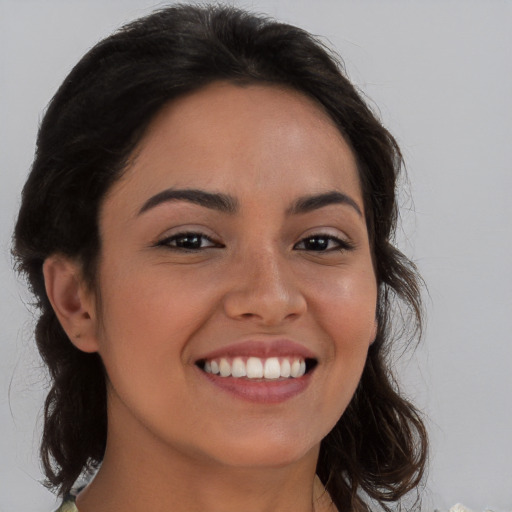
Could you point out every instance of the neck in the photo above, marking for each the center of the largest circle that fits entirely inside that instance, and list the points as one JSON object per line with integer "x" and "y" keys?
{"x": 181, "y": 487}
{"x": 141, "y": 476}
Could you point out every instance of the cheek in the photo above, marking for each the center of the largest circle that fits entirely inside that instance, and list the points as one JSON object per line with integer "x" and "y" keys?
{"x": 345, "y": 305}
{"x": 147, "y": 325}
{"x": 137, "y": 318}
{"x": 346, "y": 311}
{"x": 150, "y": 317}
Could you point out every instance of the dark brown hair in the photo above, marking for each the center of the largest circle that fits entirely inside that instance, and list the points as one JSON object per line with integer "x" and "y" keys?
{"x": 379, "y": 446}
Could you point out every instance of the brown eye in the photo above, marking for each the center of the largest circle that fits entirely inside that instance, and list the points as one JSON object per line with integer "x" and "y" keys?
{"x": 189, "y": 242}
{"x": 322, "y": 243}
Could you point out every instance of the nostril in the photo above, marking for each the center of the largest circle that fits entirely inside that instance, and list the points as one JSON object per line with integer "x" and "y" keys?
{"x": 262, "y": 300}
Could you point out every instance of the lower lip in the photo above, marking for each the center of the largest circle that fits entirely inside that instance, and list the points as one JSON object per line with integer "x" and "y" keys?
{"x": 260, "y": 391}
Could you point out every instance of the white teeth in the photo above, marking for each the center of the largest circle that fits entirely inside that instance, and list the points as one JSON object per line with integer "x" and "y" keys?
{"x": 272, "y": 368}
{"x": 295, "y": 369}
{"x": 256, "y": 368}
{"x": 225, "y": 368}
{"x": 238, "y": 368}
{"x": 285, "y": 368}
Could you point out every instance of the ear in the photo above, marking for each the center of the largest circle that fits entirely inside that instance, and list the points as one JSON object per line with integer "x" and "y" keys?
{"x": 72, "y": 302}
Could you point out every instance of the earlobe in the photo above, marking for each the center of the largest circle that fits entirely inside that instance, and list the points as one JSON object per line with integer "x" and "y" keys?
{"x": 71, "y": 301}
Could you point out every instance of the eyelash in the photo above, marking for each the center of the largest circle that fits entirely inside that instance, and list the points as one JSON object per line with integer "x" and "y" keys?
{"x": 167, "y": 242}
{"x": 341, "y": 245}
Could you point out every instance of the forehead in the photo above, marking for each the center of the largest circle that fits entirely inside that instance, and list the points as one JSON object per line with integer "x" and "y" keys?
{"x": 241, "y": 140}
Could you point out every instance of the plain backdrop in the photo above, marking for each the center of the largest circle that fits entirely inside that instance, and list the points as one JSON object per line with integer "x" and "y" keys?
{"x": 440, "y": 75}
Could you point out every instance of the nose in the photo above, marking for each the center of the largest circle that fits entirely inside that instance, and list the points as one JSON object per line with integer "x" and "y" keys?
{"x": 264, "y": 290}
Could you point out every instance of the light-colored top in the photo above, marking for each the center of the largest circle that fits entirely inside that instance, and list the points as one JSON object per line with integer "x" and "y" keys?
{"x": 67, "y": 506}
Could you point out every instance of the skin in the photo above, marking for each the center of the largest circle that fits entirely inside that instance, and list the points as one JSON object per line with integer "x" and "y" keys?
{"x": 171, "y": 432}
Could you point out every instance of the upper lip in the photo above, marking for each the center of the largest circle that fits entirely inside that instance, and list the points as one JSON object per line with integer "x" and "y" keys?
{"x": 280, "y": 347}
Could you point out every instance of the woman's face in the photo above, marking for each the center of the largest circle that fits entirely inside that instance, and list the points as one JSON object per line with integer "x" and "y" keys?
{"x": 235, "y": 243}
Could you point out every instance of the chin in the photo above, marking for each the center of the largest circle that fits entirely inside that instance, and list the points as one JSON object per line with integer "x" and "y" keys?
{"x": 266, "y": 453}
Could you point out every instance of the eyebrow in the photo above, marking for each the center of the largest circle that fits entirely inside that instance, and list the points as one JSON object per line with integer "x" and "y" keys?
{"x": 228, "y": 204}
{"x": 215, "y": 201}
{"x": 314, "y": 202}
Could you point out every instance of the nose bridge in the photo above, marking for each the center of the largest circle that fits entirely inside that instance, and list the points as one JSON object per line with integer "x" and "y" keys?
{"x": 265, "y": 287}
{"x": 270, "y": 275}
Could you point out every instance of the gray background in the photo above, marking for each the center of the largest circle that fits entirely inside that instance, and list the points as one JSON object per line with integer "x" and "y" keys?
{"x": 440, "y": 74}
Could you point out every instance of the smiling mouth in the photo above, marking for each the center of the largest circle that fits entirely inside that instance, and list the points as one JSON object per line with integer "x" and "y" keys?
{"x": 257, "y": 368}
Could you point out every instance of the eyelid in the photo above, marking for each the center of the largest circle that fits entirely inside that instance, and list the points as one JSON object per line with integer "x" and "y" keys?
{"x": 344, "y": 243}
{"x": 164, "y": 241}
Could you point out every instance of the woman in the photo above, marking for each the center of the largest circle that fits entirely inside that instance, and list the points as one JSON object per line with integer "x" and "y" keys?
{"x": 207, "y": 229}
